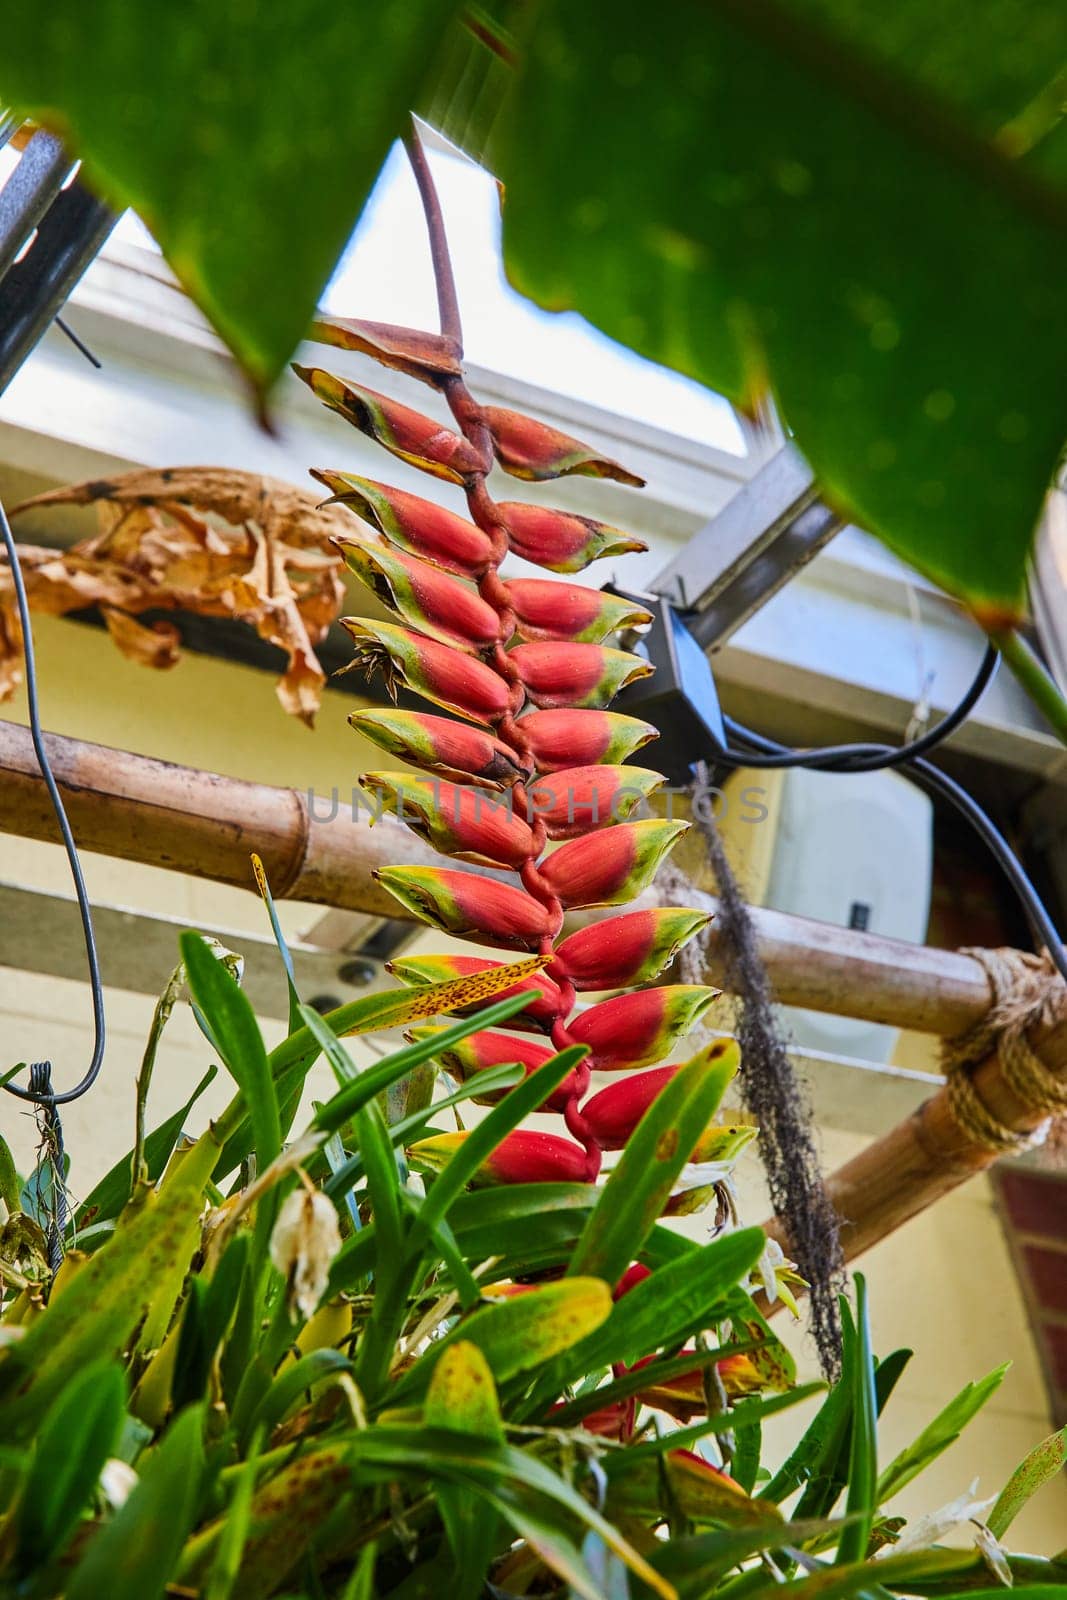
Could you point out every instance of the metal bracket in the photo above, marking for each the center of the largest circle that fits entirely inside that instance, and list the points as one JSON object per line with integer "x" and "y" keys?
{"x": 757, "y": 542}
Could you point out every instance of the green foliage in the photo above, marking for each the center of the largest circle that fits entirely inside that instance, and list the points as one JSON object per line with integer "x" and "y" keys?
{"x": 1040, "y": 1467}
{"x": 890, "y": 267}
{"x": 221, "y": 124}
{"x": 390, "y": 1409}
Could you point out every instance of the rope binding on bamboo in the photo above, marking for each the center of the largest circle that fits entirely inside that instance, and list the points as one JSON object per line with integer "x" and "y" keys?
{"x": 1027, "y": 991}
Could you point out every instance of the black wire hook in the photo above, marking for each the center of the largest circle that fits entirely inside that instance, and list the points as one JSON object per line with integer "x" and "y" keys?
{"x": 40, "y": 1089}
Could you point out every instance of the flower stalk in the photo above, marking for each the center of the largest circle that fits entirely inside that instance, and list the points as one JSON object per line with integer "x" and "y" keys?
{"x": 526, "y": 662}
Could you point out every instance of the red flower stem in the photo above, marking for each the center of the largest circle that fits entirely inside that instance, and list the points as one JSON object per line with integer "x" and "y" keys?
{"x": 485, "y": 515}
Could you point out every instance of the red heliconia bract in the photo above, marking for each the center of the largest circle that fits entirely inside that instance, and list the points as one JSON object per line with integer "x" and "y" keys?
{"x": 423, "y": 596}
{"x": 472, "y": 907}
{"x": 438, "y": 744}
{"x": 525, "y": 1156}
{"x": 559, "y": 675}
{"x": 633, "y": 1030}
{"x": 430, "y": 357}
{"x": 416, "y": 439}
{"x": 457, "y": 819}
{"x": 560, "y": 739}
{"x": 573, "y": 801}
{"x": 480, "y": 1051}
{"x": 569, "y": 611}
{"x": 633, "y": 948}
{"x": 419, "y": 526}
{"x": 610, "y": 867}
{"x": 447, "y": 677}
{"x": 614, "y": 1113}
{"x": 561, "y": 541}
{"x": 527, "y": 665}
{"x": 530, "y": 449}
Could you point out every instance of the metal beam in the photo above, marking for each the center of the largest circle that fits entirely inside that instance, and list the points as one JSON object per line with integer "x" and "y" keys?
{"x": 42, "y": 932}
{"x": 759, "y": 540}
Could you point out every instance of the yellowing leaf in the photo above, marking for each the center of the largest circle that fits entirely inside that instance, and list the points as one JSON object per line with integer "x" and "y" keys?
{"x": 520, "y": 1333}
{"x": 398, "y": 1007}
{"x": 462, "y": 1395}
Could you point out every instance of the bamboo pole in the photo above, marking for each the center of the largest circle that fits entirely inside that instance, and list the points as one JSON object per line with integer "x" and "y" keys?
{"x": 141, "y": 809}
{"x": 928, "y": 1154}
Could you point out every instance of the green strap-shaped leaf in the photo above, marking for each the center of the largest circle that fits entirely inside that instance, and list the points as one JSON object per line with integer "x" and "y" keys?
{"x": 862, "y": 1497}
{"x": 291, "y": 1383}
{"x": 233, "y": 1024}
{"x": 517, "y": 1334}
{"x": 114, "y": 1189}
{"x": 1038, "y": 1468}
{"x": 671, "y": 1304}
{"x": 462, "y": 1399}
{"x": 76, "y": 1438}
{"x": 462, "y": 1394}
{"x": 134, "y": 1556}
{"x": 106, "y": 1300}
{"x": 944, "y": 1430}
{"x": 640, "y": 1186}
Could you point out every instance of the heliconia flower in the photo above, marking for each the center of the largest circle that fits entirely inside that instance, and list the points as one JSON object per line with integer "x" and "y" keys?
{"x": 424, "y": 596}
{"x": 530, "y": 449}
{"x": 633, "y": 1030}
{"x": 416, "y": 525}
{"x": 470, "y": 907}
{"x": 562, "y": 541}
{"x": 419, "y": 440}
{"x": 447, "y": 677}
{"x": 684, "y": 1397}
{"x": 426, "y": 356}
{"x": 634, "y": 1274}
{"x": 634, "y": 948}
{"x": 610, "y": 867}
{"x": 546, "y": 1001}
{"x": 614, "y": 1112}
{"x": 456, "y": 819}
{"x": 560, "y": 739}
{"x": 523, "y": 1156}
{"x": 558, "y": 675}
{"x": 545, "y": 610}
{"x": 573, "y": 801}
{"x": 453, "y": 749}
{"x": 687, "y": 1463}
{"x": 613, "y": 1421}
{"x": 480, "y": 1051}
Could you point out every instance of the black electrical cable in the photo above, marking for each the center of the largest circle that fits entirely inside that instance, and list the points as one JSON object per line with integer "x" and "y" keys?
{"x": 40, "y": 1092}
{"x": 853, "y": 758}
{"x": 867, "y": 757}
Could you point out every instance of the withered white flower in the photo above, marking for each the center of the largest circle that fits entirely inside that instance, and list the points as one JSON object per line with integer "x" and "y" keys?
{"x": 992, "y": 1553}
{"x": 929, "y": 1530}
{"x": 117, "y": 1482}
{"x": 305, "y": 1239}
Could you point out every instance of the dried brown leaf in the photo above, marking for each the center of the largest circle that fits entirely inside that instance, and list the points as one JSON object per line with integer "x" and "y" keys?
{"x": 151, "y": 645}
{"x": 206, "y": 540}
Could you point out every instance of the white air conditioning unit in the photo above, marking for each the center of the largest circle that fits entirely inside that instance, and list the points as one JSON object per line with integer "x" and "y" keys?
{"x": 851, "y": 849}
